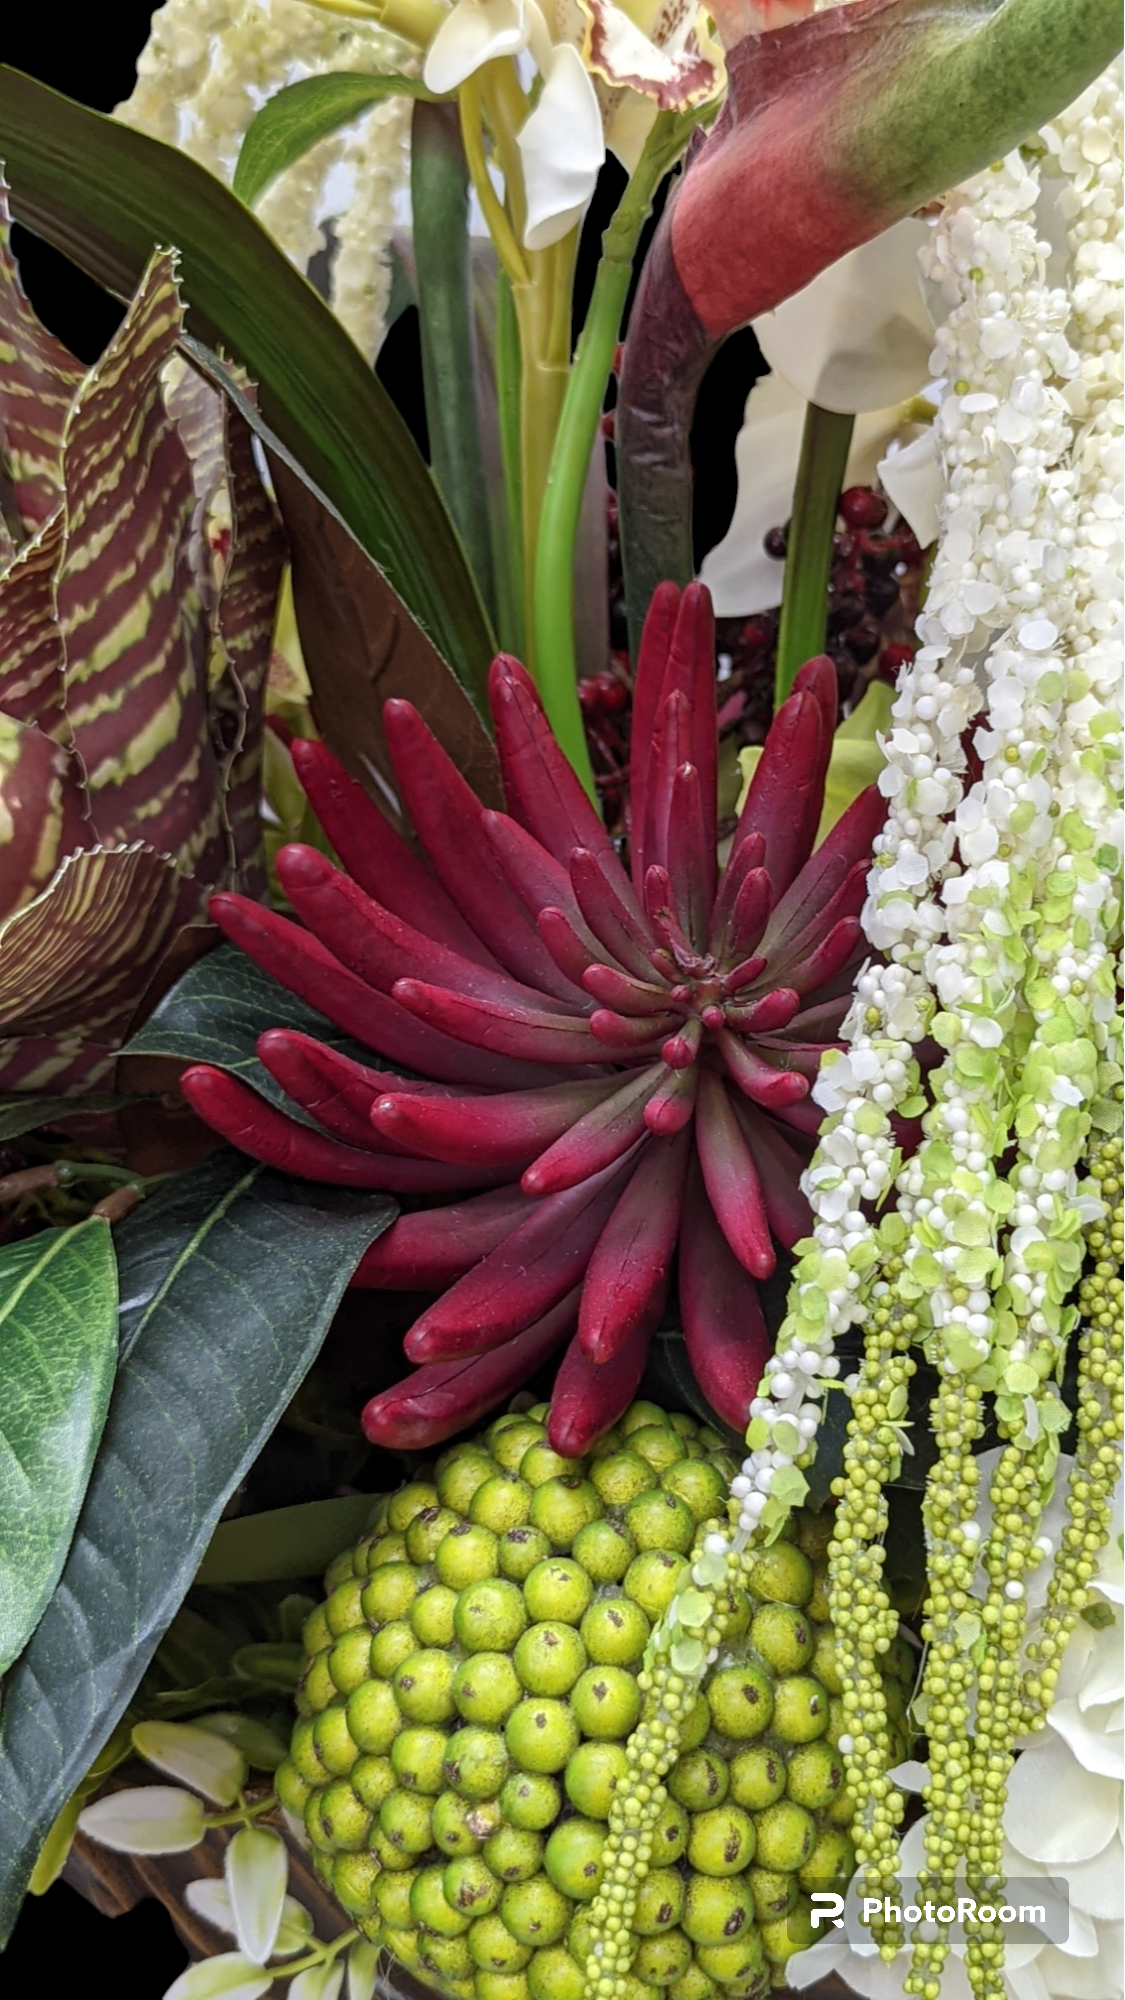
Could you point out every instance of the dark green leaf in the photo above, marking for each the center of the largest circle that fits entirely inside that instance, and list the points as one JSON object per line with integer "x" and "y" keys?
{"x": 21, "y": 1112}
{"x": 215, "y": 1014}
{"x": 230, "y": 1276}
{"x": 288, "y": 1541}
{"x": 295, "y": 118}
{"x": 105, "y": 195}
{"x": 668, "y": 1380}
{"x": 58, "y": 1348}
{"x": 270, "y": 1664}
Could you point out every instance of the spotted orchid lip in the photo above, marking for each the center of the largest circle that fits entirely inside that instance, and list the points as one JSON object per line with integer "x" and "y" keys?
{"x": 619, "y": 1063}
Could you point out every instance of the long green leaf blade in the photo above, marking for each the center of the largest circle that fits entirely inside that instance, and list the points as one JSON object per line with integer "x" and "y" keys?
{"x": 58, "y": 1348}
{"x": 105, "y": 195}
{"x": 295, "y": 118}
{"x": 285, "y": 1542}
{"x": 229, "y": 1278}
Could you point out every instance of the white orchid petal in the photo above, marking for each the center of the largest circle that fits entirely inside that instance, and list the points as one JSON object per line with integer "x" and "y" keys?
{"x": 208, "y": 1763}
{"x": 628, "y": 119}
{"x": 318, "y": 1982}
{"x": 858, "y": 337}
{"x": 363, "y": 1965}
{"x": 1099, "y": 1978}
{"x": 227, "y": 1977}
{"x": 257, "y": 1872}
{"x": 209, "y": 1898}
{"x": 1094, "y": 1748}
{"x": 474, "y": 33}
{"x": 1076, "y": 1661}
{"x": 1026, "y": 1982}
{"x": 1095, "y": 1885}
{"x": 672, "y": 69}
{"x": 911, "y": 1776}
{"x": 912, "y": 476}
{"x": 829, "y": 1954}
{"x": 150, "y": 1819}
{"x": 1083, "y": 1812}
{"x": 1104, "y": 1679}
{"x": 562, "y": 150}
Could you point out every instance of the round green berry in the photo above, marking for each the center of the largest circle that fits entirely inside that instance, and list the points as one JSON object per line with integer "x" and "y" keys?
{"x": 466, "y": 1555}
{"x": 774, "y": 1892}
{"x": 448, "y": 1960}
{"x": 692, "y": 1984}
{"x": 658, "y": 1444}
{"x": 315, "y": 1635}
{"x": 670, "y": 1832}
{"x": 292, "y": 1789}
{"x": 640, "y": 1413}
{"x": 501, "y": 1503}
{"x": 757, "y": 1777}
{"x": 699, "y": 1485}
{"x": 716, "y": 1911}
{"x": 800, "y": 1709}
{"x": 554, "y": 1975}
{"x": 392, "y": 1644}
{"x": 509, "y": 1439}
{"x": 698, "y": 1780}
{"x": 784, "y": 1936}
{"x": 832, "y": 1860}
{"x": 520, "y": 1551}
{"x": 490, "y": 1615}
{"x": 354, "y": 1877}
{"x": 304, "y": 1755}
{"x": 786, "y": 1836}
{"x": 621, "y": 1477}
{"x": 392, "y": 1896}
{"x": 371, "y": 1779}
{"x": 573, "y": 1858}
{"x": 721, "y": 1841}
{"x": 390, "y": 1856}
{"x": 559, "y": 1589}
{"x": 737, "y": 1966}
{"x": 615, "y": 1632}
{"x": 418, "y": 1759}
{"x": 318, "y": 1689}
{"x": 783, "y": 1637}
{"x": 409, "y": 1501}
{"x": 549, "y": 1657}
{"x": 542, "y": 1733}
{"x": 343, "y": 1609}
{"x": 386, "y": 1549}
{"x": 539, "y": 1463}
{"x": 461, "y": 1474}
{"x": 431, "y": 1616}
{"x": 486, "y": 1688}
{"x": 661, "y": 1960}
{"x": 606, "y": 1702}
{"x": 652, "y": 1580}
{"x": 333, "y": 1740}
{"x": 696, "y": 1723}
{"x": 389, "y": 1593}
{"x": 427, "y": 1530}
{"x": 741, "y": 1701}
{"x": 476, "y": 1763}
{"x": 593, "y": 1775}
{"x": 534, "y": 1911}
{"x": 782, "y": 1574}
{"x": 562, "y": 1507}
{"x": 344, "y": 1817}
{"x": 461, "y": 1826}
{"x": 430, "y": 1907}
{"x": 493, "y": 1947}
{"x": 660, "y": 1901}
{"x": 349, "y": 1662}
{"x": 815, "y": 1775}
{"x": 605, "y": 1549}
{"x": 470, "y": 1886}
{"x": 499, "y": 1986}
{"x": 404, "y": 1818}
{"x": 530, "y": 1800}
{"x": 514, "y": 1854}
{"x": 423, "y": 1686}
{"x": 658, "y": 1520}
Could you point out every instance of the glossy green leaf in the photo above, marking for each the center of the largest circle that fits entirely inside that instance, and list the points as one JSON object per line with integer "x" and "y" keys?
{"x": 24, "y": 1112}
{"x": 229, "y": 1278}
{"x": 105, "y": 195}
{"x": 295, "y": 118}
{"x": 216, "y": 1012}
{"x": 286, "y": 1542}
{"x": 58, "y": 1348}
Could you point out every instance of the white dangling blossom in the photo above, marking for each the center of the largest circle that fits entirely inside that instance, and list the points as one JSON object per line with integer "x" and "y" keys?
{"x": 207, "y": 69}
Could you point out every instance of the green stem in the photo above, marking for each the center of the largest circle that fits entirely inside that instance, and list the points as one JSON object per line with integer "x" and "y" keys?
{"x": 825, "y": 443}
{"x": 510, "y": 573}
{"x": 553, "y": 594}
{"x": 243, "y": 1814}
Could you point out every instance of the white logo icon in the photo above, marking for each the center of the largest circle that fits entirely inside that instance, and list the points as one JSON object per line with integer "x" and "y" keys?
{"x": 834, "y": 1914}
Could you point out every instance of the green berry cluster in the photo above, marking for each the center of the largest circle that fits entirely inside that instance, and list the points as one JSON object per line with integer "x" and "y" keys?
{"x": 499, "y": 1773}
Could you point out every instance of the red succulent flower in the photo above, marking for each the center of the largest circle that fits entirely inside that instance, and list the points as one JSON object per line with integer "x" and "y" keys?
{"x": 620, "y": 1066}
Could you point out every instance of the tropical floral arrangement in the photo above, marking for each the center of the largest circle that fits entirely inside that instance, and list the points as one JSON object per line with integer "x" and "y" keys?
{"x": 561, "y": 1148}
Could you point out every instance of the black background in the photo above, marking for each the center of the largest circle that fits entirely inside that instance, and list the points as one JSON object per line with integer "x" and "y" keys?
{"x": 61, "y": 1944}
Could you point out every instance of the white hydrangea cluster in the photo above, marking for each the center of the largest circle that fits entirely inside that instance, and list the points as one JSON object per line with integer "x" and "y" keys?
{"x": 210, "y": 65}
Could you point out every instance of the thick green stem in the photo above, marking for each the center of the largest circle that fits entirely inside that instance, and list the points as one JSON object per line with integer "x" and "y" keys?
{"x": 439, "y": 191}
{"x": 509, "y": 563}
{"x": 825, "y": 444}
{"x": 553, "y": 593}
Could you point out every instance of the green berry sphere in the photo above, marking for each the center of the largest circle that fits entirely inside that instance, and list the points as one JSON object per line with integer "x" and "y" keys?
{"x": 473, "y": 1677}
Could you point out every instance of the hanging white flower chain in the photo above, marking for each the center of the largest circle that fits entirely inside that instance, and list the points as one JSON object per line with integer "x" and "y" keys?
{"x": 209, "y": 66}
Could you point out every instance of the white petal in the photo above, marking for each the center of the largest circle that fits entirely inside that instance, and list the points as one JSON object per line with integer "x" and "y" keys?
{"x": 153, "y": 1819}
{"x": 858, "y": 337}
{"x": 913, "y": 478}
{"x": 827, "y": 1955}
{"x": 474, "y": 33}
{"x": 1085, "y": 1978}
{"x": 1025, "y": 1982}
{"x": 363, "y": 1964}
{"x": 228, "y": 1977}
{"x": 1083, "y": 1807}
{"x": 911, "y": 1776}
{"x": 318, "y": 1982}
{"x": 1087, "y": 1737}
{"x": 562, "y": 149}
{"x": 1104, "y": 1679}
{"x": 295, "y": 1930}
{"x": 628, "y": 124}
{"x": 1095, "y": 1885}
{"x": 257, "y": 1872}
{"x": 206, "y": 1762}
{"x": 210, "y": 1899}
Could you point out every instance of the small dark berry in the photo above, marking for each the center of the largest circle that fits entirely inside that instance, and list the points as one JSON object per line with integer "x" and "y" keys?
{"x": 880, "y": 592}
{"x": 893, "y": 658}
{"x": 862, "y": 507}
{"x": 775, "y": 542}
{"x": 589, "y": 697}
{"x": 862, "y": 640}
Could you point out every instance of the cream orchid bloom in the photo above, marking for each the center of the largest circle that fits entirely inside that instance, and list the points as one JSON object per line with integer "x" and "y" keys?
{"x": 606, "y": 71}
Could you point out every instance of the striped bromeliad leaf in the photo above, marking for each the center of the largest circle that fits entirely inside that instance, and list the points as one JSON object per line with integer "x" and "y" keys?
{"x": 135, "y": 633}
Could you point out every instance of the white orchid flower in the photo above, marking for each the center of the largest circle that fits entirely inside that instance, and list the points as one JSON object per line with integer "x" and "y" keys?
{"x": 606, "y": 71}
{"x": 857, "y": 341}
